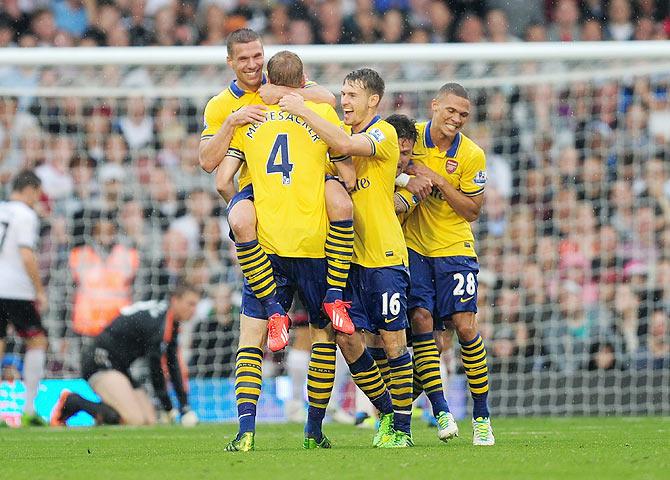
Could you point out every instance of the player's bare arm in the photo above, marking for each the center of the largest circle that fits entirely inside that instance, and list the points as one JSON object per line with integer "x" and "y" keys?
{"x": 271, "y": 94}
{"x": 335, "y": 137}
{"x": 346, "y": 172}
{"x": 467, "y": 207}
{"x": 225, "y": 177}
{"x": 29, "y": 260}
{"x": 212, "y": 150}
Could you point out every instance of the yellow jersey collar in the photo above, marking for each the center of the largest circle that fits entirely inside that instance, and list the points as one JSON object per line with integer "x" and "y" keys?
{"x": 451, "y": 153}
{"x": 238, "y": 92}
{"x": 375, "y": 119}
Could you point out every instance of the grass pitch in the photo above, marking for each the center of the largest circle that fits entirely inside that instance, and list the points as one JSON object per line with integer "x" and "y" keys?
{"x": 537, "y": 448}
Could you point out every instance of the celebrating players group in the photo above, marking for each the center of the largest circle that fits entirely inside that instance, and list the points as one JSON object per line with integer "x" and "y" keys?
{"x": 366, "y": 220}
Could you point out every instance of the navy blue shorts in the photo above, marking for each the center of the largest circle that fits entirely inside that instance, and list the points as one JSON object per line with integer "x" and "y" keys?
{"x": 443, "y": 285}
{"x": 306, "y": 276}
{"x": 378, "y": 297}
{"x": 247, "y": 193}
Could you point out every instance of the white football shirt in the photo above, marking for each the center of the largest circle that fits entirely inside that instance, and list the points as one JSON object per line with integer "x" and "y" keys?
{"x": 18, "y": 228}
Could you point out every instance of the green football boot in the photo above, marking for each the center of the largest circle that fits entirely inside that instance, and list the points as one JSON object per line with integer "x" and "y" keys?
{"x": 32, "y": 421}
{"x": 311, "y": 443}
{"x": 385, "y": 430}
{"x": 245, "y": 443}
{"x": 399, "y": 440}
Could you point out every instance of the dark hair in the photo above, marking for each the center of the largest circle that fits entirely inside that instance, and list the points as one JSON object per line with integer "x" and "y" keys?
{"x": 242, "y": 35}
{"x": 183, "y": 287}
{"x": 369, "y": 79}
{"x": 404, "y": 126}
{"x": 285, "y": 68}
{"x": 455, "y": 89}
{"x": 24, "y": 179}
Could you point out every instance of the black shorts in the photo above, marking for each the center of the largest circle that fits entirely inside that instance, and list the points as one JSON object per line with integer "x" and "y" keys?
{"x": 23, "y": 315}
{"x": 95, "y": 359}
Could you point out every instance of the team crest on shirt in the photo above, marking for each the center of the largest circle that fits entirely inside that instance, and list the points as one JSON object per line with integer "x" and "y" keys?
{"x": 452, "y": 165}
{"x": 480, "y": 178}
{"x": 376, "y": 134}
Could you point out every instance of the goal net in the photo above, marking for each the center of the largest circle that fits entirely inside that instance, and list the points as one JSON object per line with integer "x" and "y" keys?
{"x": 574, "y": 238}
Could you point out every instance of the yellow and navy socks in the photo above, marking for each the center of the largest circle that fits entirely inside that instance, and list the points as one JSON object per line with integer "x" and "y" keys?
{"x": 367, "y": 377}
{"x": 320, "y": 380}
{"x": 339, "y": 250}
{"x": 473, "y": 355}
{"x": 248, "y": 379}
{"x": 257, "y": 270}
{"x": 401, "y": 391}
{"x": 379, "y": 355}
{"x": 427, "y": 370}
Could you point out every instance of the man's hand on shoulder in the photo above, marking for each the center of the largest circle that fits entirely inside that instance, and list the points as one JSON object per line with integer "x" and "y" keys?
{"x": 293, "y": 103}
{"x": 248, "y": 114}
{"x": 271, "y": 94}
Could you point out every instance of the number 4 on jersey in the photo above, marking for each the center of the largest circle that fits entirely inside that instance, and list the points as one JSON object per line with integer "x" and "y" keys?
{"x": 280, "y": 148}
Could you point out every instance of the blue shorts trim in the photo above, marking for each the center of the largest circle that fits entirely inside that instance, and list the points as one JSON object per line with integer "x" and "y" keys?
{"x": 304, "y": 276}
{"x": 378, "y": 297}
{"x": 443, "y": 285}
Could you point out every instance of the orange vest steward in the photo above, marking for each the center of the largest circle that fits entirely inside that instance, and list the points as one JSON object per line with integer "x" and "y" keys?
{"x": 104, "y": 286}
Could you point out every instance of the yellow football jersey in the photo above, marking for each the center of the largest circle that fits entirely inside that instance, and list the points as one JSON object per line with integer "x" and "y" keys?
{"x": 287, "y": 160}
{"x": 378, "y": 236}
{"x": 222, "y": 105}
{"x": 434, "y": 229}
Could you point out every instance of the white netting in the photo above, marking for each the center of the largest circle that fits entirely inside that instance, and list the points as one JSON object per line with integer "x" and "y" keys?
{"x": 574, "y": 240}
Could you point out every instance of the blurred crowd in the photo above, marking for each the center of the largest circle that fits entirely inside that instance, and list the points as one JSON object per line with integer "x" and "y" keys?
{"x": 575, "y": 234}
{"x": 120, "y": 23}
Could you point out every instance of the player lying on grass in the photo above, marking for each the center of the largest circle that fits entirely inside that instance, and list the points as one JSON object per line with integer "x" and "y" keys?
{"x": 377, "y": 286}
{"x": 142, "y": 330}
{"x": 240, "y": 104}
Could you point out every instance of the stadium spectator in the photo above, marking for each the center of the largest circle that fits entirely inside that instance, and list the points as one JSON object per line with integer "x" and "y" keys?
{"x": 619, "y": 25}
{"x": 564, "y": 27}
{"x": 103, "y": 272}
{"x": 137, "y": 126}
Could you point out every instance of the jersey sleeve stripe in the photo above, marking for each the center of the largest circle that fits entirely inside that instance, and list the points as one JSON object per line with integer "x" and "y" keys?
{"x": 339, "y": 158}
{"x": 405, "y": 202}
{"x": 234, "y": 152}
{"x": 474, "y": 193}
{"x": 372, "y": 143}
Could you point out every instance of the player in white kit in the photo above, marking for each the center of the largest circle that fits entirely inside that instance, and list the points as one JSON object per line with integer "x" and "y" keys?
{"x": 22, "y": 296}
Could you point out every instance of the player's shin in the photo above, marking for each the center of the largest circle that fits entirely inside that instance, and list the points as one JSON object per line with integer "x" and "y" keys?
{"x": 427, "y": 370}
{"x": 473, "y": 355}
{"x": 401, "y": 391}
{"x": 248, "y": 378}
{"x": 257, "y": 270}
{"x": 320, "y": 380}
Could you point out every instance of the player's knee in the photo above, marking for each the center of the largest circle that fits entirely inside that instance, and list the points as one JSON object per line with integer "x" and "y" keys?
{"x": 466, "y": 329}
{"x": 242, "y": 223}
{"x": 422, "y": 321}
{"x": 133, "y": 418}
{"x": 339, "y": 205}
